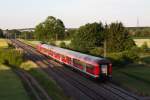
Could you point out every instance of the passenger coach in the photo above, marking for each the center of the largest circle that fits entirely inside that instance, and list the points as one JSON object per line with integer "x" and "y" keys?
{"x": 95, "y": 67}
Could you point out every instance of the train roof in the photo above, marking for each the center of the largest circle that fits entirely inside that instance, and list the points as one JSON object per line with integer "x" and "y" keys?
{"x": 74, "y": 54}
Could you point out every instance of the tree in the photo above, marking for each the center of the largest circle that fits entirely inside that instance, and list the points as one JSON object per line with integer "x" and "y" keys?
{"x": 88, "y": 37}
{"x": 51, "y": 29}
{"x": 39, "y": 32}
{"x": 70, "y": 33}
{"x": 1, "y": 33}
{"x": 118, "y": 38}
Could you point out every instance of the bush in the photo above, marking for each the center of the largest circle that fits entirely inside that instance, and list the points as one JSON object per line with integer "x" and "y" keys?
{"x": 116, "y": 58}
{"x": 125, "y": 57}
{"x": 11, "y": 57}
{"x": 98, "y": 51}
{"x": 63, "y": 45}
{"x": 131, "y": 56}
{"x": 145, "y": 45}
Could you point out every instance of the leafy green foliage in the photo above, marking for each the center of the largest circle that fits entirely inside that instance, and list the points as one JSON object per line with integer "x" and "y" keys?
{"x": 70, "y": 33}
{"x": 88, "y": 36}
{"x": 125, "y": 57}
{"x": 63, "y": 45}
{"x": 11, "y": 57}
{"x": 144, "y": 46}
{"x": 98, "y": 51}
{"x": 51, "y": 29}
{"x": 118, "y": 38}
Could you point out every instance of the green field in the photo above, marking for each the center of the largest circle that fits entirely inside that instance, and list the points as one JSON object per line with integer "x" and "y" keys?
{"x": 134, "y": 77}
{"x": 10, "y": 85}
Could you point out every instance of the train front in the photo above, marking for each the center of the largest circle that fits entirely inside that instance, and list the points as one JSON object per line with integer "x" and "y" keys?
{"x": 105, "y": 70}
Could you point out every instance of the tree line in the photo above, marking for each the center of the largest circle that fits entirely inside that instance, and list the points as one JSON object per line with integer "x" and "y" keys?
{"x": 86, "y": 38}
{"x": 92, "y": 38}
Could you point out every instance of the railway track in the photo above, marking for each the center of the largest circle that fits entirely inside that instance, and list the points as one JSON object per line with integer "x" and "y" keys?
{"x": 34, "y": 90}
{"x": 74, "y": 84}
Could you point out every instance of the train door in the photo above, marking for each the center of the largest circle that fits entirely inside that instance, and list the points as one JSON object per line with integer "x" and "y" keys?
{"x": 104, "y": 69}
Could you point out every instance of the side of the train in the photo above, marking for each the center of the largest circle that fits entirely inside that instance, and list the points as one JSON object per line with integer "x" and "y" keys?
{"x": 94, "y": 66}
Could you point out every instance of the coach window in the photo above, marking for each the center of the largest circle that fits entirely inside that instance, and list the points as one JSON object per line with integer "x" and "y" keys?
{"x": 63, "y": 56}
{"x": 78, "y": 62}
{"x": 89, "y": 66}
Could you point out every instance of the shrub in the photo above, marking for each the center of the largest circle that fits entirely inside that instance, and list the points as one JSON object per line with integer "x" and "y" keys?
{"x": 125, "y": 57}
{"x": 28, "y": 65}
{"x": 11, "y": 57}
{"x": 144, "y": 46}
{"x": 131, "y": 56}
{"x": 62, "y": 45}
{"x": 116, "y": 58}
{"x": 98, "y": 51}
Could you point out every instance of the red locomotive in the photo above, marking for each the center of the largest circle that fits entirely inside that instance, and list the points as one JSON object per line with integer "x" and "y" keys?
{"x": 93, "y": 66}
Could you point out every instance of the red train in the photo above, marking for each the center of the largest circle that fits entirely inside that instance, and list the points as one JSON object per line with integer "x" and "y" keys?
{"x": 93, "y": 66}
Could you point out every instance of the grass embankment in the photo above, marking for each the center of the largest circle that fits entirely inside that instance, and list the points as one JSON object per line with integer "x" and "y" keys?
{"x": 134, "y": 77}
{"x": 54, "y": 91}
{"x": 10, "y": 85}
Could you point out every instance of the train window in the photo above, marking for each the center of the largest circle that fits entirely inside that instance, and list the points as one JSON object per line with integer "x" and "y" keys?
{"x": 78, "y": 62}
{"x": 62, "y": 56}
{"x": 89, "y": 66}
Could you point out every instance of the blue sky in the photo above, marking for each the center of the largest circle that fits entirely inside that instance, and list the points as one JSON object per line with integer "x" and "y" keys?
{"x": 74, "y": 13}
